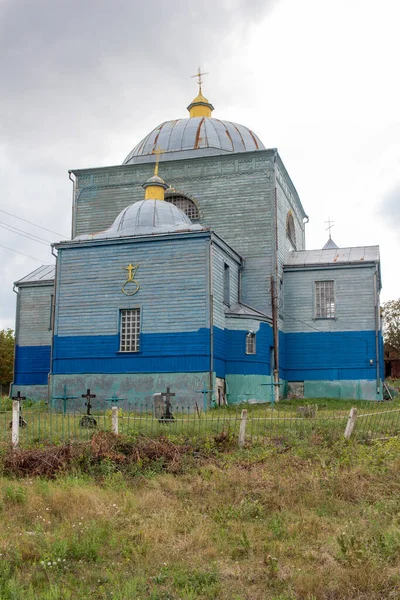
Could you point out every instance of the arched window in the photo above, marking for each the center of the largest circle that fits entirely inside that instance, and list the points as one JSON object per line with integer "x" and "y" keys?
{"x": 250, "y": 342}
{"x": 290, "y": 230}
{"x": 184, "y": 203}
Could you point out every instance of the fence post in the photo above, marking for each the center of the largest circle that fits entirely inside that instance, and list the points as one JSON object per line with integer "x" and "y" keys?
{"x": 242, "y": 429}
{"x": 350, "y": 423}
{"x": 15, "y": 424}
{"x": 114, "y": 419}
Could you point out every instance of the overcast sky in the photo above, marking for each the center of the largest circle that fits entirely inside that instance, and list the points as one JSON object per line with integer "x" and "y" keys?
{"x": 83, "y": 81}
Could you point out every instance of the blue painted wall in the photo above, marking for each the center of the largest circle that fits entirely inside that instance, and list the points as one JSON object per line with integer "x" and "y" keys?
{"x": 159, "y": 352}
{"x": 230, "y": 349}
{"x": 330, "y": 355}
{"x": 31, "y": 365}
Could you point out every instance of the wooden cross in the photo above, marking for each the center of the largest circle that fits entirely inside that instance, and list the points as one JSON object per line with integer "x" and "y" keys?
{"x": 204, "y": 391}
{"x": 19, "y": 397}
{"x": 88, "y": 397}
{"x": 157, "y": 151}
{"x": 330, "y": 225}
{"x": 199, "y": 75}
{"x": 64, "y": 398}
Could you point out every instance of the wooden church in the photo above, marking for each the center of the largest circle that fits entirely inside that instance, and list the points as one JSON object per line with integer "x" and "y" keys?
{"x": 193, "y": 273}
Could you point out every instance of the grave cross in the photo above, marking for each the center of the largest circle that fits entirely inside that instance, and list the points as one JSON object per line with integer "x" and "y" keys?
{"x": 114, "y": 399}
{"x": 22, "y": 422}
{"x": 204, "y": 391}
{"x": 64, "y": 398}
{"x": 88, "y": 420}
{"x": 88, "y": 397}
{"x": 167, "y": 416}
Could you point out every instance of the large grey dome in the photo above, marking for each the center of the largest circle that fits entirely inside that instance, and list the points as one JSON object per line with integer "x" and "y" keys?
{"x": 192, "y": 137}
{"x": 146, "y": 217}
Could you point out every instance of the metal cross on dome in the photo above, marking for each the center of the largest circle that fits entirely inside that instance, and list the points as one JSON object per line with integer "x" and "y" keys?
{"x": 157, "y": 151}
{"x": 199, "y": 75}
{"x": 330, "y": 225}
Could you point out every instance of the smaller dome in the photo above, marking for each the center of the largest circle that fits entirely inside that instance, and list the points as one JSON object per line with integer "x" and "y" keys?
{"x": 155, "y": 180}
{"x": 146, "y": 217}
{"x": 200, "y": 98}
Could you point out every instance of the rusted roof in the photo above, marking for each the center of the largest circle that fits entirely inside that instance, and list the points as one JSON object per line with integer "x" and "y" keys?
{"x": 333, "y": 256}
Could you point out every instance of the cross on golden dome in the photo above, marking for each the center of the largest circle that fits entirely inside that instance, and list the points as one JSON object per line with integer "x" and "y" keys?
{"x": 199, "y": 75}
{"x": 157, "y": 151}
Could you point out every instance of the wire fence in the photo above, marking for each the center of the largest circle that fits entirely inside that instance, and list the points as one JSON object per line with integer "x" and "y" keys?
{"x": 263, "y": 423}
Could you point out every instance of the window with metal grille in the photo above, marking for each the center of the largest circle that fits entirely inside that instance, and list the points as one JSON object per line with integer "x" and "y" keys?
{"x": 324, "y": 300}
{"x": 251, "y": 343}
{"x": 185, "y": 204}
{"x": 227, "y": 285}
{"x": 290, "y": 229}
{"x": 130, "y": 330}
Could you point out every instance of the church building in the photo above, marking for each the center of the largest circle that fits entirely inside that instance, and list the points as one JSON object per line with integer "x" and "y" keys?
{"x": 188, "y": 268}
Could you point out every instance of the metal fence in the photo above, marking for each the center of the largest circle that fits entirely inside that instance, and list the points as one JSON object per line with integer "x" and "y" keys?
{"x": 265, "y": 423}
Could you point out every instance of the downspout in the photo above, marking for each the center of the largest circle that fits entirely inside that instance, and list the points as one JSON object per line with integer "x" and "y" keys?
{"x": 16, "y": 333}
{"x": 53, "y": 320}
{"x": 211, "y": 304}
{"x": 274, "y": 293}
{"x": 240, "y": 281}
{"x": 306, "y": 220}
{"x": 377, "y": 319}
{"x": 73, "y": 205}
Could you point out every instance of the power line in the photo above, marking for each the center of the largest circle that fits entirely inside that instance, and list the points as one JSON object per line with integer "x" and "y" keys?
{"x": 18, "y": 252}
{"x": 34, "y": 224}
{"x": 24, "y": 234}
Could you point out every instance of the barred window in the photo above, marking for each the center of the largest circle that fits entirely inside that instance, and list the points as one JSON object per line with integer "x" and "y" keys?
{"x": 185, "y": 204}
{"x": 324, "y": 300}
{"x": 290, "y": 229}
{"x": 227, "y": 285}
{"x": 130, "y": 330}
{"x": 251, "y": 343}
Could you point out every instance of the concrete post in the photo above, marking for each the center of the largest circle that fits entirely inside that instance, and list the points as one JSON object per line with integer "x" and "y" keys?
{"x": 15, "y": 424}
{"x": 114, "y": 419}
{"x": 350, "y": 423}
{"x": 242, "y": 429}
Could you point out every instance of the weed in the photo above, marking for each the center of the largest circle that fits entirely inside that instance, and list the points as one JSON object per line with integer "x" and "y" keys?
{"x": 14, "y": 494}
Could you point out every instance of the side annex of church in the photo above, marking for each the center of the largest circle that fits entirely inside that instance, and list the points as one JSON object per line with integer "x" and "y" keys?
{"x": 201, "y": 280}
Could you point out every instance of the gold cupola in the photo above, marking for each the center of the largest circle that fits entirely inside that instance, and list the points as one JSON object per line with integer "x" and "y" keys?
{"x": 200, "y": 106}
{"x": 155, "y": 186}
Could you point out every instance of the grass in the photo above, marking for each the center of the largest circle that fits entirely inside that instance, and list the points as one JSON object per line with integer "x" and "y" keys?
{"x": 268, "y": 522}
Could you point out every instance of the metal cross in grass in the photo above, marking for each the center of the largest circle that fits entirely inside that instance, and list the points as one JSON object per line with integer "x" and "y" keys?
{"x": 167, "y": 416}
{"x": 204, "y": 391}
{"x": 64, "y": 398}
{"x": 88, "y": 420}
{"x": 114, "y": 399}
{"x": 22, "y": 422}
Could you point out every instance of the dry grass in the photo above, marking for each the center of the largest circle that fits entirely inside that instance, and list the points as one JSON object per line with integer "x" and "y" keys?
{"x": 312, "y": 522}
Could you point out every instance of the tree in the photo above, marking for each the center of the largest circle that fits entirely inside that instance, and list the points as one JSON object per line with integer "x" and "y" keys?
{"x": 6, "y": 356}
{"x": 391, "y": 323}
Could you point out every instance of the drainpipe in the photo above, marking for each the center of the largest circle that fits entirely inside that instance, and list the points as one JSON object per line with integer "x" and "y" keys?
{"x": 15, "y": 290}
{"x": 211, "y": 304}
{"x": 377, "y": 319}
{"x": 53, "y": 320}
{"x": 274, "y": 293}
{"x": 73, "y": 204}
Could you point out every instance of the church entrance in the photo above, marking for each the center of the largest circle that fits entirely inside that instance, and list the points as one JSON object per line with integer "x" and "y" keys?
{"x": 220, "y": 391}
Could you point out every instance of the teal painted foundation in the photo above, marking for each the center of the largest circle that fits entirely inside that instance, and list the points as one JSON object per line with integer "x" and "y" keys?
{"x": 345, "y": 390}
{"x": 248, "y": 388}
{"x": 134, "y": 388}
{"x": 31, "y": 392}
